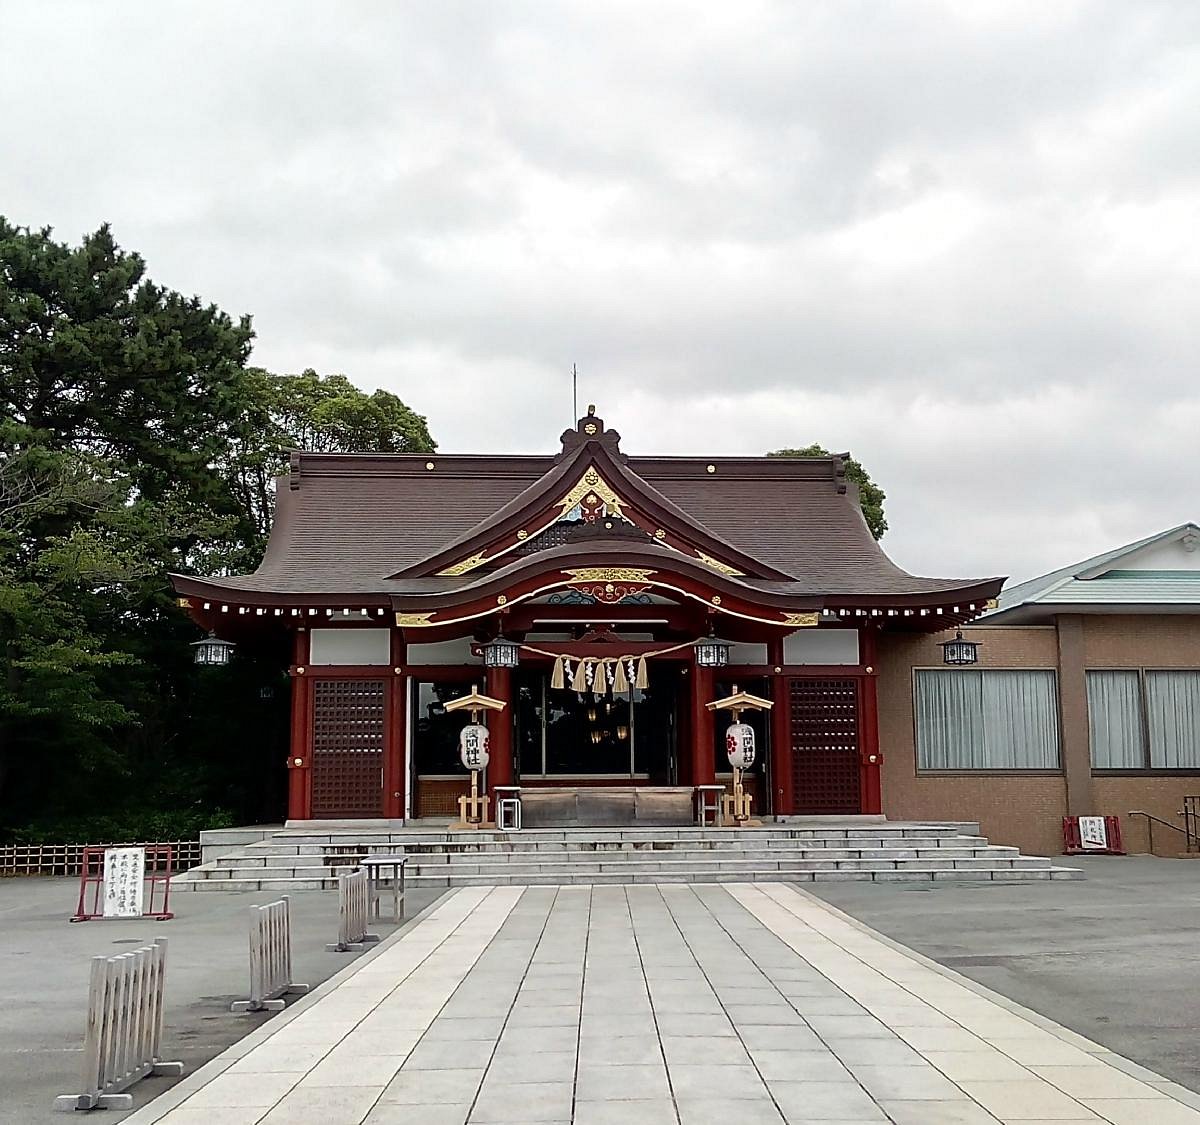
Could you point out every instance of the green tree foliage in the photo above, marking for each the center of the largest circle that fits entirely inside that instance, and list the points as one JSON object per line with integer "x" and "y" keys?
{"x": 135, "y": 441}
{"x": 327, "y": 414}
{"x": 870, "y": 495}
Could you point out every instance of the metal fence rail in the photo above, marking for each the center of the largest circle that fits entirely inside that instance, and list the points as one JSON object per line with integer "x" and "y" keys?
{"x": 354, "y": 901}
{"x": 124, "y": 1028}
{"x": 270, "y": 958}
{"x": 67, "y": 859}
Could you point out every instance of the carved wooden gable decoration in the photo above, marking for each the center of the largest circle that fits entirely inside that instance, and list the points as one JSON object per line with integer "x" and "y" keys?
{"x": 590, "y": 494}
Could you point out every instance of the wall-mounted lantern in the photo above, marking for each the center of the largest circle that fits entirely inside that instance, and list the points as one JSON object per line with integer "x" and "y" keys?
{"x": 212, "y": 651}
{"x": 959, "y": 651}
{"x": 501, "y": 653}
{"x": 712, "y": 653}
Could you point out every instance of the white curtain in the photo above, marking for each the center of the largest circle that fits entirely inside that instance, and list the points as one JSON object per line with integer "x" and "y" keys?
{"x": 949, "y": 708}
{"x": 1020, "y": 720}
{"x": 977, "y": 719}
{"x": 1115, "y": 720}
{"x": 1173, "y": 717}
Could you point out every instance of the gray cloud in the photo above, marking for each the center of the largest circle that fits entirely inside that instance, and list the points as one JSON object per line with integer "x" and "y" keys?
{"x": 959, "y": 238}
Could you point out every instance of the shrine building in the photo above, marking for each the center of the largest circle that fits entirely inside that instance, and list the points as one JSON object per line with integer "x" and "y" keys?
{"x": 605, "y": 597}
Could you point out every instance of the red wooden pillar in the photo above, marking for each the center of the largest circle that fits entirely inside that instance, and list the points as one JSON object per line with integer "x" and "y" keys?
{"x": 683, "y": 728}
{"x": 500, "y": 731}
{"x": 870, "y": 789}
{"x": 701, "y": 726}
{"x": 783, "y": 800}
{"x": 300, "y": 757}
{"x": 395, "y": 780}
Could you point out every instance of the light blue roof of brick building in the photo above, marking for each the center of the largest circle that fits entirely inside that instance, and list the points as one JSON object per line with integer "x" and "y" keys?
{"x": 1101, "y": 581}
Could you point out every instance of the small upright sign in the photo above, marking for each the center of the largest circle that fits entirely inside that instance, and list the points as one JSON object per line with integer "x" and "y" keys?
{"x": 124, "y": 880}
{"x": 1093, "y": 834}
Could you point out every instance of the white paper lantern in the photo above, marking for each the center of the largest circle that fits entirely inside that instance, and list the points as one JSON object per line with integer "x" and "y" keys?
{"x": 473, "y": 746}
{"x": 739, "y": 745}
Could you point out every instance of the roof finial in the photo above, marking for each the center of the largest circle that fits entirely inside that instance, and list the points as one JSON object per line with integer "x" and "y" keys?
{"x": 591, "y": 410}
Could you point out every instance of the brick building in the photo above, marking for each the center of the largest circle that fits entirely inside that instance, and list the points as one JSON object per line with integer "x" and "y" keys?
{"x": 1085, "y": 700}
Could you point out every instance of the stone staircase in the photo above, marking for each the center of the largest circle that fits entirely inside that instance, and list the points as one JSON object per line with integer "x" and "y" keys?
{"x": 309, "y": 859}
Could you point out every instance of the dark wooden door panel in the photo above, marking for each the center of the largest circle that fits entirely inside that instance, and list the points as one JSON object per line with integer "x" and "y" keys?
{"x": 347, "y": 762}
{"x": 824, "y": 728}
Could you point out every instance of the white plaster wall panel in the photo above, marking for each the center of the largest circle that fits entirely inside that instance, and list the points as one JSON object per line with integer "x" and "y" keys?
{"x": 442, "y": 652}
{"x": 350, "y": 646}
{"x": 821, "y": 646}
{"x": 747, "y": 654}
{"x": 1179, "y": 555}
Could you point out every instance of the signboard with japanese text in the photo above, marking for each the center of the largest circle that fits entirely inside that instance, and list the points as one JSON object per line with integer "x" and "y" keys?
{"x": 124, "y": 880}
{"x": 1093, "y": 833}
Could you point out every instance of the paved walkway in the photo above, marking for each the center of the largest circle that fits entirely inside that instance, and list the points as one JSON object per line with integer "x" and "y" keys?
{"x": 672, "y": 1004}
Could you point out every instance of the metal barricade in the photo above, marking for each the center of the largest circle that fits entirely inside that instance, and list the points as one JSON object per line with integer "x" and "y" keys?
{"x": 270, "y": 958}
{"x": 124, "y": 1028}
{"x": 354, "y": 903}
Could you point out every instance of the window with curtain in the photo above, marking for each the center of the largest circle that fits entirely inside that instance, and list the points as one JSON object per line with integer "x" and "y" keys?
{"x": 986, "y": 719}
{"x": 1116, "y": 730}
{"x": 1173, "y": 719}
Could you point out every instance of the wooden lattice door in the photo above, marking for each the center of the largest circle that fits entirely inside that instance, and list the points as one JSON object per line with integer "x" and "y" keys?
{"x": 825, "y": 751}
{"x": 347, "y": 761}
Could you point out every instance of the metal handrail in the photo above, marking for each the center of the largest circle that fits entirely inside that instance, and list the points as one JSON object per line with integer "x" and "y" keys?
{"x": 1191, "y": 822}
{"x": 1151, "y": 820}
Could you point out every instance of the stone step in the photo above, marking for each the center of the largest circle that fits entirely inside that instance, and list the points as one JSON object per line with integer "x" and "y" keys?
{"x": 572, "y": 877}
{"x": 523, "y": 859}
{"x": 867, "y": 852}
{"x": 470, "y": 844}
{"x": 700, "y": 860}
{"x": 388, "y": 839}
{"x": 518, "y": 871}
{"x": 271, "y": 859}
{"x": 278, "y": 886}
{"x": 315, "y": 871}
{"x": 785, "y": 876}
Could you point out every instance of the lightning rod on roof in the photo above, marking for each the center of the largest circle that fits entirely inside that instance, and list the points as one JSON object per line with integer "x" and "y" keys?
{"x": 574, "y": 394}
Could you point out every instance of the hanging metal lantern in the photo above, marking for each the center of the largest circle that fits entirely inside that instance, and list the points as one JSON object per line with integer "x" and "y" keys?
{"x": 212, "y": 651}
{"x": 959, "y": 651}
{"x": 501, "y": 653}
{"x": 712, "y": 653}
{"x": 473, "y": 746}
{"x": 739, "y": 745}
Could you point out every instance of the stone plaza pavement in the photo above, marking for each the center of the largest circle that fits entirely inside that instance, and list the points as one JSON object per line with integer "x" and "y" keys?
{"x": 718, "y": 1004}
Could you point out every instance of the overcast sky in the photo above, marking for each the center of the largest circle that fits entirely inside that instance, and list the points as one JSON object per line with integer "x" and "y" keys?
{"x": 961, "y": 240}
